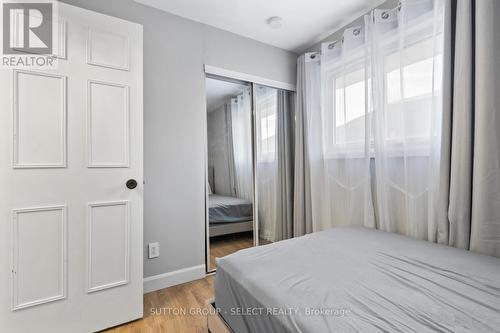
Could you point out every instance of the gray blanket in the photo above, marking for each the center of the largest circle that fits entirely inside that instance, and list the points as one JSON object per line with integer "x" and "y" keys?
{"x": 224, "y": 209}
{"x": 352, "y": 279}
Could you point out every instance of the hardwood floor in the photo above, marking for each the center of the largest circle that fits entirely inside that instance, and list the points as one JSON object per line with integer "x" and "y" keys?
{"x": 176, "y": 309}
{"x": 223, "y": 245}
{"x": 179, "y": 309}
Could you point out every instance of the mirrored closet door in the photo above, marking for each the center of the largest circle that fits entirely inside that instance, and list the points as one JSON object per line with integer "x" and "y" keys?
{"x": 250, "y": 152}
{"x": 274, "y": 129}
{"x": 230, "y": 175}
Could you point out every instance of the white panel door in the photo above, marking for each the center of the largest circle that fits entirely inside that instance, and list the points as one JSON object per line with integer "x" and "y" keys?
{"x": 70, "y": 140}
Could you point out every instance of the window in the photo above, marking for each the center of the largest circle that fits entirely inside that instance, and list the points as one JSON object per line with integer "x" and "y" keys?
{"x": 345, "y": 109}
{"x": 350, "y": 109}
{"x": 407, "y": 94}
{"x": 412, "y": 82}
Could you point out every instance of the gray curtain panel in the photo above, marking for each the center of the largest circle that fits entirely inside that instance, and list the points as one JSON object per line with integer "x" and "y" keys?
{"x": 285, "y": 168}
{"x": 474, "y": 207}
{"x": 485, "y": 225}
{"x": 442, "y": 228}
{"x": 462, "y": 107}
{"x": 302, "y": 217}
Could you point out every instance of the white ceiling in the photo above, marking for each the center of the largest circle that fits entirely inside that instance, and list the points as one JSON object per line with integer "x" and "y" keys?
{"x": 219, "y": 91}
{"x": 305, "y": 22}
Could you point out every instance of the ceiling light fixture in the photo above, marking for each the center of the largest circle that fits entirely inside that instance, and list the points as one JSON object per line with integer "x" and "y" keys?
{"x": 275, "y": 22}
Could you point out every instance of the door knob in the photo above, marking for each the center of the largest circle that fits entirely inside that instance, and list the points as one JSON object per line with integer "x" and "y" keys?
{"x": 131, "y": 184}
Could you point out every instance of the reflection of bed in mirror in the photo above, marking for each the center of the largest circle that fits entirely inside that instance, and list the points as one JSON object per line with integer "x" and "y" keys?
{"x": 227, "y": 214}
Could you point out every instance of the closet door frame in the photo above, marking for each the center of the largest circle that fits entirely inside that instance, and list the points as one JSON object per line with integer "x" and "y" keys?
{"x": 256, "y": 240}
{"x": 252, "y": 80}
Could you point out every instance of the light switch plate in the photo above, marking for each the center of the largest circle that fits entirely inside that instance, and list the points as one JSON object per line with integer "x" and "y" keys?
{"x": 153, "y": 250}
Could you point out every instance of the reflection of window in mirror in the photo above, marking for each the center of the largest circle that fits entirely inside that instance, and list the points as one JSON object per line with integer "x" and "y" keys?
{"x": 268, "y": 124}
{"x": 266, "y": 100}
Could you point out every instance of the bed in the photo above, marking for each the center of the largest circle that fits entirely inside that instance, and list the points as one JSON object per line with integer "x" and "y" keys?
{"x": 229, "y": 215}
{"x": 352, "y": 279}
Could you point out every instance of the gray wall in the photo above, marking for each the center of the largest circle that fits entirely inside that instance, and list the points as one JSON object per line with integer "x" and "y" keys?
{"x": 175, "y": 50}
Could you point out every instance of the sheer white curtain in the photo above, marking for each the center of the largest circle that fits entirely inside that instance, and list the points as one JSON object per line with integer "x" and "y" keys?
{"x": 375, "y": 145}
{"x": 339, "y": 137}
{"x": 434, "y": 124}
{"x": 406, "y": 49}
{"x": 220, "y": 150}
{"x": 266, "y": 107}
{"x": 241, "y": 116}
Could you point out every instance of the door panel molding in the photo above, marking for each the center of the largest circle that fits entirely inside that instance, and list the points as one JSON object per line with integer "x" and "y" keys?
{"x": 62, "y": 49}
{"x": 125, "y": 159}
{"x": 17, "y": 150}
{"x": 18, "y": 257}
{"x": 111, "y": 40}
{"x": 92, "y": 244}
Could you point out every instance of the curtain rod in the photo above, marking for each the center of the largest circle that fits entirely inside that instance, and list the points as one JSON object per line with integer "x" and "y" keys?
{"x": 357, "y": 30}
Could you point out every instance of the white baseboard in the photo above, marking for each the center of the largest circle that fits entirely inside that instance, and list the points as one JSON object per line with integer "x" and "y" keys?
{"x": 161, "y": 281}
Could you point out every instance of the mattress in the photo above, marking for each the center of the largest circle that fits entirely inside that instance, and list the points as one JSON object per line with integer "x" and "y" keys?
{"x": 224, "y": 209}
{"x": 352, "y": 279}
